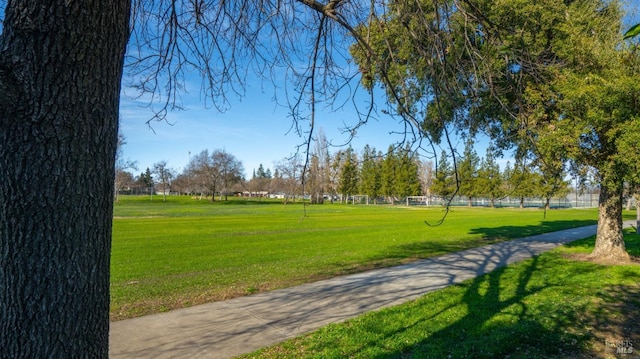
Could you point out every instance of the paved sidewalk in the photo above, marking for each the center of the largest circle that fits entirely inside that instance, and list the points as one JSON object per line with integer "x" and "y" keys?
{"x": 233, "y": 327}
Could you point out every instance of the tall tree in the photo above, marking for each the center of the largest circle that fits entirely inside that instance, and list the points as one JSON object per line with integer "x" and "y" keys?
{"x": 290, "y": 170}
{"x": 519, "y": 182}
{"x": 124, "y": 180}
{"x": 490, "y": 178}
{"x": 334, "y": 174}
{"x": 349, "y": 174}
{"x": 60, "y": 70}
{"x": 407, "y": 182}
{"x": 260, "y": 173}
{"x": 444, "y": 183}
{"x": 217, "y": 171}
{"x": 370, "y": 173}
{"x": 61, "y": 66}
{"x": 145, "y": 180}
{"x": 426, "y": 176}
{"x": 487, "y": 67}
{"x": 597, "y": 117}
{"x": 468, "y": 172}
{"x": 276, "y": 184}
{"x": 205, "y": 173}
{"x": 230, "y": 170}
{"x": 165, "y": 175}
{"x": 318, "y": 169}
{"x": 388, "y": 175}
{"x": 314, "y": 182}
{"x": 550, "y": 184}
{"x": 260, "y": 181}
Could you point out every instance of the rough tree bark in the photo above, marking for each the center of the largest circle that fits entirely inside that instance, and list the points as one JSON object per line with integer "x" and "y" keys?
{"x": 60, "y": 72}
{"x": 609, "y": 246}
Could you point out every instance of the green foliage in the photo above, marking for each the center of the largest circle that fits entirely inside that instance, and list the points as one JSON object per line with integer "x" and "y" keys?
{"x": 468, "y": 172}
{"x": 601, "y": 116}
{"x": 528, "y": 73}
{"x": 407, "y": 182}
{"x": 520, "y": 182}
{"x": 632, "y": 32}
{"x": 184, "y": 251}
{"x": 261, "y": 173}
{"x": 460, "y": 64}
{"x": 553, "y": 79}
{"x": 370, "y": 180}
{"x": 490, "y": 178}
{"x": 444, "y": 184}
{"x": 146, "y": 178}
{"x": 388, "y": 173}
{"x": 349, "y": 173}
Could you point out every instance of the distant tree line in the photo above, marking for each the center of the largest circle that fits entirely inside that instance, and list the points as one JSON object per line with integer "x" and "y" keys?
{"x": 378, "y": 176}
{"x": 338, "y": 176}
{"x": 388, "y": 176}
{"x": 474, "y": 178}
{"x": 375, "y": 175}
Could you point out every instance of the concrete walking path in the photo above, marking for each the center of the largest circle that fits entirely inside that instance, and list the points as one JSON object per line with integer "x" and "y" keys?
{"x": 241, "y": 325}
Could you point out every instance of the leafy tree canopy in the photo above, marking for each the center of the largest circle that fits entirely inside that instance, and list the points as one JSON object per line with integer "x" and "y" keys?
{"x": 552, "y": 79}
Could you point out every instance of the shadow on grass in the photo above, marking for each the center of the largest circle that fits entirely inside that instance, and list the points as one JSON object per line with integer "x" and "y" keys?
{"x": 631, "y": 240}
{"x": 503, "y": 316}
{"x": 483, "y": 236}
{"x": 511, "y": 232}
{"x": 616, "y": 322}
{"x": 494, "y": 322}
{"x": 632, "y": 243}
{"x": 500, "y": 325}
{"x": 512, "y": 313}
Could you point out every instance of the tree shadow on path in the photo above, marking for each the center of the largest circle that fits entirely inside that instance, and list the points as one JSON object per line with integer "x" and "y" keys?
{"x": 485, "y": 235}
{"x": 512, "y": 232}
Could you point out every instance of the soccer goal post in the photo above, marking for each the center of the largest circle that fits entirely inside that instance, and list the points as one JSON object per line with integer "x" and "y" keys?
{"x": 361, "y": 199}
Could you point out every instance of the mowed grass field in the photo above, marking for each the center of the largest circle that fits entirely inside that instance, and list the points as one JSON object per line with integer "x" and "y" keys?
{"x": 183, "y": 252}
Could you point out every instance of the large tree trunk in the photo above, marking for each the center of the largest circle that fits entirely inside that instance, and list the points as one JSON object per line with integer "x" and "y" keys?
{"x": 609, "y": 239}
{"x": 60, "y": 72}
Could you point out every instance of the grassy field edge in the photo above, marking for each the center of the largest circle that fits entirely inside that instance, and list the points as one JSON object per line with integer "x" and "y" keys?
{"x": 186, "y": 252}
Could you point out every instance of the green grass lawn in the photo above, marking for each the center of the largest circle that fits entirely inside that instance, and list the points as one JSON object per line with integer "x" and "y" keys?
{"x": 551, "y": 306}
{"x": 183, "y": 252}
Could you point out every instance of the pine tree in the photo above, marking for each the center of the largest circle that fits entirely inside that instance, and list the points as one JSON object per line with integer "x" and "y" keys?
{"x": 388, "y": 175}
{"x": 519, "y": 182}
{"x": 407, "y": 179}
{"x": 468, "y": 173}
{"x": 370, "y": 174}
{"x": 444, "y": 183}
{"x": 349, "y": 174}
{"x": 490, "y": 178}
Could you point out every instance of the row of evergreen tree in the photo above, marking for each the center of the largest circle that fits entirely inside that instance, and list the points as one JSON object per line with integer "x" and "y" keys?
{"x": 474, "y": 177}
{"x": 391, "y": 175}
{"x": 388, "y": 176}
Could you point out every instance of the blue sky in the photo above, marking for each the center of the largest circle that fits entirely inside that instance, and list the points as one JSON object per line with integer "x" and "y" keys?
{"x": 254, "y": 128}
